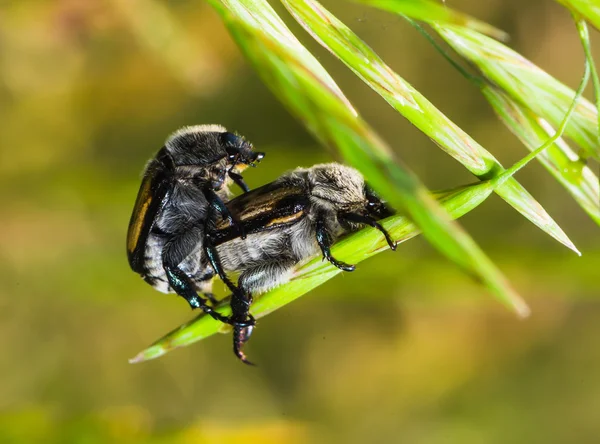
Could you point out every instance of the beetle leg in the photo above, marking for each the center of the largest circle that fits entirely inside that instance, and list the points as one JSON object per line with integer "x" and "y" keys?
{"x": 239, "y": 181}
{"x": 175, "y": 251}
{"x": 368, "y": 220}
{"x": 254, "y": 280}
{"x": 217, "y": 204}
{"x": 243, "y": 324}
{"x": 324, "y": 241}
{"x": 240, "y": 337}
{"x": 211, "y": 253}
{"x": 182, "y": 285}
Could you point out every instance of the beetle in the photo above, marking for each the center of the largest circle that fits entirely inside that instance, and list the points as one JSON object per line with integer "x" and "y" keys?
{"x": 182, "y": 186}
{"x": 287, "y": 221}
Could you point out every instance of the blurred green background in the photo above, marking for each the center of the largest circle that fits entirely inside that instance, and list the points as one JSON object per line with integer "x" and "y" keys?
{"x": 405, "y": 349}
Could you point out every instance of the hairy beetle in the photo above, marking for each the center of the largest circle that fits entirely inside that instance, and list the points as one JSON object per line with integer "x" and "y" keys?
{"x": 287, "y": 221}
{"x": 183, "y": 185}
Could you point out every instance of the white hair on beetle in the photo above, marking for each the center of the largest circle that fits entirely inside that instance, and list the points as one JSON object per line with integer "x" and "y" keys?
{"x": 193, "y": 129}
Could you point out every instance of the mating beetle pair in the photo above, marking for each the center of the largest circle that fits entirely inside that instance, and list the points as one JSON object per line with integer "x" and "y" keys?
{"x": 184, "y": 230}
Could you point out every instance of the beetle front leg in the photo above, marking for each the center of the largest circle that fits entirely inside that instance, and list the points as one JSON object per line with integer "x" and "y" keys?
{"x": 175, "y": 251}
{"x": 183, "y": 286}
{"x": 368, "y": 220}
{"x": 239, "y": 181}
{"x": 325, "y": 242}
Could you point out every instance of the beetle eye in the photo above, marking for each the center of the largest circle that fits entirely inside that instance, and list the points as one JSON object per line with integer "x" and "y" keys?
{"x": 372, "y": 199}
{"x": 232, "y": 152}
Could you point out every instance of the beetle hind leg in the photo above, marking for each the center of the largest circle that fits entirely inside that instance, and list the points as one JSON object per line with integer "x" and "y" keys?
{"x": 254, "y": 280}
{"x": 184, "y": 287}
{"x": 241, "y": 335}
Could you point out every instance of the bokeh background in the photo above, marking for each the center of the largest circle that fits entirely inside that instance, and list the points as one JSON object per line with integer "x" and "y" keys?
{"x": 406, "y": 349}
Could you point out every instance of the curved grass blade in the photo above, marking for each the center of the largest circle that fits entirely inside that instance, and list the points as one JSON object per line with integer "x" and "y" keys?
{"x": 367, "y": 65}
{"x": 559, "y": 159}
{"x": 527, "y": 84}
{"x": 588, "y": 9}
{"x": 584, "y": 36}
{"x": 499, "y": 180}
{"x": 257, "y": 20}
{"x": 428, "y": 11}
{"x": 353, "y": 249}
{"x": 284, "y": 69}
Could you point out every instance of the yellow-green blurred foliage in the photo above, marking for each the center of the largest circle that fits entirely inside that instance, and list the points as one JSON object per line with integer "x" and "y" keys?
{"x": 405, "y": 349}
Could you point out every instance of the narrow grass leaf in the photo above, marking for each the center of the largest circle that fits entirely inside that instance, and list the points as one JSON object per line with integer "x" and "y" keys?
{"x": 588, "y": 9}
{"x": 499, "y": 180}
{"x": 366, "y": 64}
{"x": 559, "y": 159}
{"x": 533, "y": 131}
{"x": 584, "y": 36}
{"x": 431, "y": 11}
{"x": 258, "y": 18}
{"x": 527, "y": 84}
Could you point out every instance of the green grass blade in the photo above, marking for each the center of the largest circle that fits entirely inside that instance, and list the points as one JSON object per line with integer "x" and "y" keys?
{"x": 498, "y": 180}
{"x": 431, "y": 11}
{"x": 267, "y": 33}
{"x": 353, "y": 249}
{"x": 579, "y": 180}
{"x": 559, "y": 159}
{"x": 588, "y": 9}
{"x": 584, "y": 36}
{"x": 366, "y": 64}
{"x": 282, "y": 62}
{"x": 527, "y": 84}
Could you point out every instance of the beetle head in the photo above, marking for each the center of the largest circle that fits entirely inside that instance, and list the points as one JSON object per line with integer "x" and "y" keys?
{"x": 375, "y": 206}
{"x": 239, "y": 152}
{"x": 213, "y": 153}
